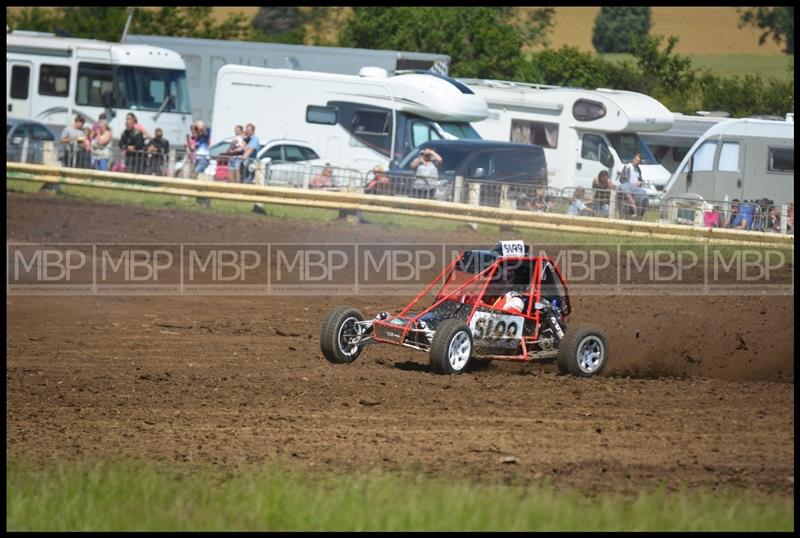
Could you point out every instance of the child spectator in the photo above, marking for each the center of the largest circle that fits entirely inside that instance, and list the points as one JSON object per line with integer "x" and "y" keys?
{"x": 379, "y": 184}
{"x": 540, "y": 201}
{"x": 101, "y": 146}
{"x": 576, "y": 206}
{"x": 602, "y": 193}
{"x": 323, "y": 179}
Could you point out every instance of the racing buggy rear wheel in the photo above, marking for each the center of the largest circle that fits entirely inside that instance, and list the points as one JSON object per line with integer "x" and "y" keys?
{"x": 583, "y": 351}
{"x": 451, "y": 347}
{"x": 339, "y": 332}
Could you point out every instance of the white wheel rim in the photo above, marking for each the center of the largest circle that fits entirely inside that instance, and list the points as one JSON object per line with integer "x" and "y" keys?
{"x": 343, "y": 337}
{"x": 591, "y": 354}
{"x": 458, "y": 353}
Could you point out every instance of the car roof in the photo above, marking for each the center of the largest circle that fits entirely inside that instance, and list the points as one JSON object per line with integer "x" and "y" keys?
{"x": 271, "y": 142}
{"x": 475, "y": 144}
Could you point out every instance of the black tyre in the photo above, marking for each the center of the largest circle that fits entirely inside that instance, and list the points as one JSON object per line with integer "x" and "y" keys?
{"x": 451, "y": 348}
{"x": 583, "y": 351}
{"x": 339, "y": 327}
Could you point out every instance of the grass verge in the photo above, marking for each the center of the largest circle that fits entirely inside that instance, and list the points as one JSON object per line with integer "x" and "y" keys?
{"x": 137, "y": 495}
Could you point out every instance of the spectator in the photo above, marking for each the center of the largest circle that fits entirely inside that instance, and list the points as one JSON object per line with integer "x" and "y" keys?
{"x": 85, "y": 149}
{"x": 712, "y": 218}
{"x": 201, "y": 147}
{"x": 380, "y": 183}
{"x": 602, "y": 193}
{"x": 69, "y": 137}
{"x": 426, "y": 172}
{"x": 138, "y": 126}
{"x": 156, "y": 152}
{"x": 252, "y": 145}
{"x": 96, "y": 125}
{"x": 576, "y": 205}
{"x": 741, "y": 217}
{"x": 236, "y": 150}
{"x": 790, "y": 218}
{"x": 132, "y": 143}
{"x": 323, "y": 179}
{"x": 101, "y": 146}
{"x": 773, "y": 223}
{"x": 630, "y": 186}
{"x": 539, "y": 201}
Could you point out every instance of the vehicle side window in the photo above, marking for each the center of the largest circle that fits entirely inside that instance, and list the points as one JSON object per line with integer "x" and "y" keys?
{"x": 781, "y": 160}
{"x": 325, "y": 115}
{"x": 39, "y": 132}
{"x": 54, "y": 80}
{"x": 594, "y": 148}
{"x": 94, "y": 80}
{"x": 21, "y": 131}
{"x": 294, "y": 154}
{"x": 421, "y": 133}
{"x": 729, "y": 157}
{"x": 274, "y": 153}
{"x": 704, "y": 157}
{"x": 520, "y": 164}
{"x": 309, "y": 154}
{"x": 20, "y": 81}
{"x": 535, "y": 132}
{"x": 482, "y": 160}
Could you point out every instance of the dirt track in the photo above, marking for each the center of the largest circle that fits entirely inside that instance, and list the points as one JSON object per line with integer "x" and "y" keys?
{"x": 241, "y": 379}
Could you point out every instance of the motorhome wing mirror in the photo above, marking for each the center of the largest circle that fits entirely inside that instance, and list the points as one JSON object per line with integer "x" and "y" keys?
{"x": 17, "y": 140}
{"x": 394, "y": 163}
{"x": 608, "y": 160}
{"x": 689, "y": 172}
{"x": 480, "y": 173}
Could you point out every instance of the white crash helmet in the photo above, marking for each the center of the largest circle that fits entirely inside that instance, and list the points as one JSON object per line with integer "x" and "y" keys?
{"x": 513, "y": 301}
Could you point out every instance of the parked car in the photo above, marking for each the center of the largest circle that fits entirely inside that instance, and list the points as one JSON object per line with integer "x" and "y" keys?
{"x": 282, "y": 152}
{"x": 17, "y": 130}
{"x": 480, "y": 160}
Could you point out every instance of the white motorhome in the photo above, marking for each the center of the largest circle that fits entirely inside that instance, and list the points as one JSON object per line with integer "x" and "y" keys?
{"x": 672, "y": 145}
{"x": 354, "y": 121}
{"x": 51, "y": 79}
{"x": 746, "y": 159}
{"x": 581, "y": 131}
{"x": 204, "y": 57}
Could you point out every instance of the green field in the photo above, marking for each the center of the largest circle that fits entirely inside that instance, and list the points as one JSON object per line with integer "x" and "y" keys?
{"x": 134, "y": 495}
{"x": 767, "y": 65}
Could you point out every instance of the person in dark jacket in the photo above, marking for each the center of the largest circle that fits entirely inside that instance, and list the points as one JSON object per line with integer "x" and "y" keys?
{"x": 132, "y": 143}
{"x": 156, "y": 150}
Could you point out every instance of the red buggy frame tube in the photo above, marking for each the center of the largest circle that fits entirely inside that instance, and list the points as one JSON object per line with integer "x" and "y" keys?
{"x": 431, "y": 285}
{"x": 483, "y": 291}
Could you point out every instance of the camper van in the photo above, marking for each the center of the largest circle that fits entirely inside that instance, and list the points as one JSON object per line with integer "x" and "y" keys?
{"x": 354, "y": 121}
{"x": 672, "y": 145}
{"x": 51, "y": 79}
{"x": 581, "y": 131}
{"x": 204, "y": 57}
{"x": 747, "y": 159}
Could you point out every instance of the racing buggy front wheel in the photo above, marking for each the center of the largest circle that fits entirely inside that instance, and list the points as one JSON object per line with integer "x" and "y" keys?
{"x": 340, "y": 335}
{"x": 451, "y": 347}
{"x": 583, "y": 351}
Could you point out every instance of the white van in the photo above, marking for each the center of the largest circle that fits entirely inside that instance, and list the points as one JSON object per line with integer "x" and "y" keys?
{"x": 581, "y": 131}
{"x": 51, "y": 79}
{"x": 746, "y": 159}
{"x": 354, "y": 121}
{"x": 672, "y": 145}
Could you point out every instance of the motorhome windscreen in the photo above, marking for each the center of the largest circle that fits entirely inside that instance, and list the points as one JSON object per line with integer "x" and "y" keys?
{"x": 146, "y": 88}
{"x": 460, "y": 129}
{"x": 629, "y": 144}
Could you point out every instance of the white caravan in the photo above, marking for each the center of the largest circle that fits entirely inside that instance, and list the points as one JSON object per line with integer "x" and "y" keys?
{"x": 50, "y": 79}
{"x": 746, "y": 159}
{"x": 672, "y": 145}
{"x": 354, "y": 121}
{"x": 581, "y": 131}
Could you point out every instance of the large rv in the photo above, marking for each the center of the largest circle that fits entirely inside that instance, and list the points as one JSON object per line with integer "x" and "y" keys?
{"x": 581, "y": 131}
{"x": 50, "y": 79}
{"x": 746, "y": 159}
{"x": 672, "y": 145}
{"x": 353, "y": 121}
{"x": 204, "y": 57}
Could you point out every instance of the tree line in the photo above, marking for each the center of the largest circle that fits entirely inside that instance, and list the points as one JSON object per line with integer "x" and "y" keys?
{"x": 482, "y": 42}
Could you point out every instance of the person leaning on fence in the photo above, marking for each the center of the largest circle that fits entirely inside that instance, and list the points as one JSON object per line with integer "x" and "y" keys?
{"x": 630, "y": 186}
{"x": 69, "y": 138}
{"x": 132, "y": 143}
{"x": 576, "y": 205}
{"x": 539, "y": 201}
{"x": 201, "y": 147}
{"x": 380, "y": 183}
{"x": 156, "y": 152}
{"x": 252, "y": 145}
{"x": 601, "y": 200}
{"x": 85, "y": 149}
{"x": 323, "y": 179}
{"x": 101, "y": 146}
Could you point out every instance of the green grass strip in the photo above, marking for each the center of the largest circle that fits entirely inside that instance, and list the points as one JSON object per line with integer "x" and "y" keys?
{"x": 134, "y": 495}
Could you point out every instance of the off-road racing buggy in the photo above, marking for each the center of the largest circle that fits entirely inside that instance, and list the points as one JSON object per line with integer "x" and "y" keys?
{"x": 498, "y": 304}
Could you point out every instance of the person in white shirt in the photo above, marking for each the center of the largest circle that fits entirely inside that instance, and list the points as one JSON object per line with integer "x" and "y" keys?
{"x": 426, "y": 169}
